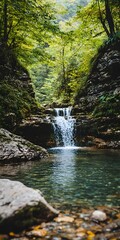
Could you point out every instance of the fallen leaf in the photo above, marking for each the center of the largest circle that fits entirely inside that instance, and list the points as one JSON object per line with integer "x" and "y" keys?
{"x": 118, "y": 215}
{"x": 91, "y": 235}
{"x": 37, "y": 233}
{"x": 37, "y": 227}
{"x": 12, "y": 234}
{"x": 64, "y": 219}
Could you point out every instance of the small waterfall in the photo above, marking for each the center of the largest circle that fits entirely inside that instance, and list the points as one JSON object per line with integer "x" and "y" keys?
{"x": 64, "y": 127}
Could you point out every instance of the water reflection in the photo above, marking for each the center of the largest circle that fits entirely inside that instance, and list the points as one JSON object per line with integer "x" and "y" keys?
{"x": 64, "y": 168}
{"x": 64, "y": 175}
{"x": 12, "y": 169}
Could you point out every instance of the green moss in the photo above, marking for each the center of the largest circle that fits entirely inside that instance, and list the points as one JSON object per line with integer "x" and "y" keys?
{"x": 14, "y": 100}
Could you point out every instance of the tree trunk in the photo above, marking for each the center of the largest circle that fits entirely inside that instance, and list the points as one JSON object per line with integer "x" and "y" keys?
{"x": 109, "y": 18}
{"x": 103, "y": 20}
{"x": 5, "y": 37}
{"x": 63, "y": 69}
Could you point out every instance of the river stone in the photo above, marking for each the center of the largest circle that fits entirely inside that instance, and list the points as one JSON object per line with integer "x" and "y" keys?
{"x": 22, "y": 207}
{"x": 13, "y": 147}
{"x": 99, "y": 216}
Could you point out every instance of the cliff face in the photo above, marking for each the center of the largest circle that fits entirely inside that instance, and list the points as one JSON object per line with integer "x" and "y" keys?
{"x": 17, "y": 99}
{"x": 103, "y": 86}
{"x": 98, "y": 105}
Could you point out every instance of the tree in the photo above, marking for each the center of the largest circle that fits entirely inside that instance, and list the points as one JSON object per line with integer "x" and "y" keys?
{"x": 107, "y": 18}
{"x": 24, "y": 23}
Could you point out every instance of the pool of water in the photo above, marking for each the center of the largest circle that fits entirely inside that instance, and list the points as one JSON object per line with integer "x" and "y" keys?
{"x": 74, "y": 176}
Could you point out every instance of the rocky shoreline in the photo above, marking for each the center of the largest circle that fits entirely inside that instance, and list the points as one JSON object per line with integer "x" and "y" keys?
{"x": 25, "y": 214}
{"x": 75, "y": 224}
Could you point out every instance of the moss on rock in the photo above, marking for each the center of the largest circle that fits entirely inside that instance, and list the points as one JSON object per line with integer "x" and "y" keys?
{"x": 16, "y": 92}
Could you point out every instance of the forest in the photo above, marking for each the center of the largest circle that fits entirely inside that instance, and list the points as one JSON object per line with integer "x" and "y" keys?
{"x": 56, "y": 42}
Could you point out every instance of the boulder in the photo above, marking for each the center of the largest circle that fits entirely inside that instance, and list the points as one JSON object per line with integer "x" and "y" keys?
{"x": 22, "y": 207}
{"x": 15, "y": 148}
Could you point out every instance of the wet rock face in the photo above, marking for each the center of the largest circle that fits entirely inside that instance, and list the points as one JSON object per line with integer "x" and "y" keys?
{"x": 99, "y": 132}
{"x": 22, "y": 207}
{"x": 38, "y": 129}
{"x": 15, "y": 148}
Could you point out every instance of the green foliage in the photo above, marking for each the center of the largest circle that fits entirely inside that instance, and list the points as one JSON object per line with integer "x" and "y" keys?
{"x": 24, "y": 26}
{"x": 68, "y": 58}
{"x": 108, "y": 105}
{"x": 53, "y": 43}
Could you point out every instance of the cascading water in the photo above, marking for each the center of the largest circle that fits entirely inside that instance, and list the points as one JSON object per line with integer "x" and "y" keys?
{"x": 64, "y": 127}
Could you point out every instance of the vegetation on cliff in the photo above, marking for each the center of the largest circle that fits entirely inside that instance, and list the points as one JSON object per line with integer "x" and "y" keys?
{"x": 60, "y": 77}
{"x": 19, "y": 36}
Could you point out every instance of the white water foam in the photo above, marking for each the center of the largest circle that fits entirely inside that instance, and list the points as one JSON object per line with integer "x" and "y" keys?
{"x": 64, "y": 127}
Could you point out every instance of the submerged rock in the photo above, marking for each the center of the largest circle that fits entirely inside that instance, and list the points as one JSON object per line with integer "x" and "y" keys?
{"x": 22, "y": 207}
{"x": 13, "y": 148}
{"x": 99, "y": 216}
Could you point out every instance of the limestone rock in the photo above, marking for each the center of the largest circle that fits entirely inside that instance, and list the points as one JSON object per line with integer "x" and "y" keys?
{"x": 99, "y": 216}
{"x": 13, "y": 148}
{"x": 21, "y": 207}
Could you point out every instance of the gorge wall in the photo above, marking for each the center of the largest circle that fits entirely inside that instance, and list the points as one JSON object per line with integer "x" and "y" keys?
{"x": 97, "y": 107}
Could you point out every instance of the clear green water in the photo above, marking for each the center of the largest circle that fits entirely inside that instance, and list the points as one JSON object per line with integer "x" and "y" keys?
{"x": 72, "y": 176}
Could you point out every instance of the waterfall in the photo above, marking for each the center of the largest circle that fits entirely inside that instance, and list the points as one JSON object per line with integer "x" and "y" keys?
{"x": 64, "y": 127}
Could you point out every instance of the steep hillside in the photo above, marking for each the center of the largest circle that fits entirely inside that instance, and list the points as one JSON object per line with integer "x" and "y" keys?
{"x": 101, "y": 94}
{"x": 98, "y": 105}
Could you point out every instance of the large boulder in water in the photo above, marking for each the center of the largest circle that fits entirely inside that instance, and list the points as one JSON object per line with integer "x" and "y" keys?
{"x": 21, "y": 207}
{"x": 15, "y": 148}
